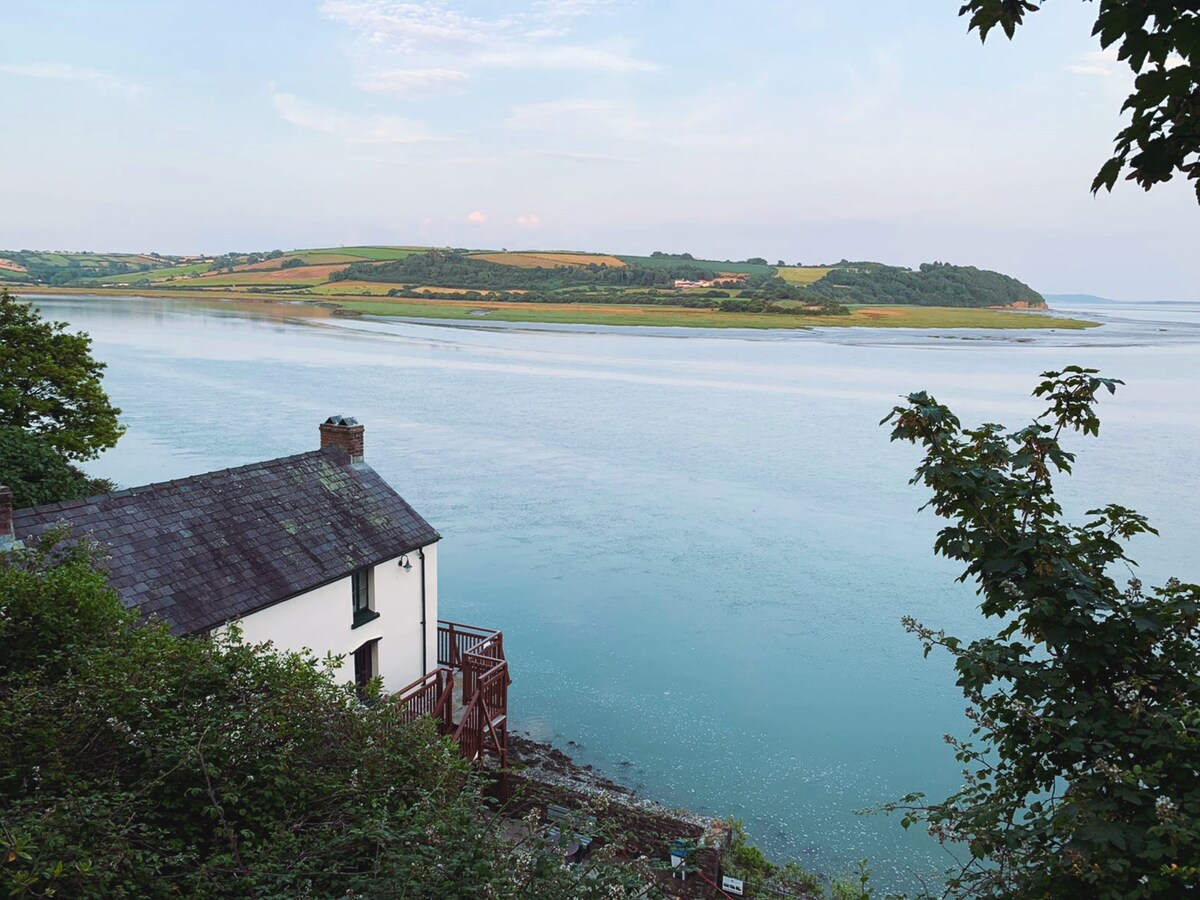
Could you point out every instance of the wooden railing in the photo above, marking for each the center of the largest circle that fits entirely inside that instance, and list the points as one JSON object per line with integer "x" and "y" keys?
{"x": 484, "y": 725}
{"x": 430, "y": 695}
{"x": 454, "y": 639}
{"x": 481, "y": 659}
{"x": 479, "y": 654}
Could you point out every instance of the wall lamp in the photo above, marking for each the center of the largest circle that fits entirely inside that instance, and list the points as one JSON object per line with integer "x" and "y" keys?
{"x": 404, "y": 563}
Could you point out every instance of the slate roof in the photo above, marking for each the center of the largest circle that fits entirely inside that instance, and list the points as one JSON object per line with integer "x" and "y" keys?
{"x": 202, "y": 550}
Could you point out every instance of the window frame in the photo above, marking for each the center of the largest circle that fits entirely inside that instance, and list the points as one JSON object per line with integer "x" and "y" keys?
{"x": 368, "y": 653}
{"x": 362, "y": 596}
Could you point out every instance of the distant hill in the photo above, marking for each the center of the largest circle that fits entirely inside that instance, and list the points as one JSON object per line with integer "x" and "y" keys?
{"x": 37, "y": 267}
{"x": 665, "y": 279}
{"x": 933, "y": 284}
{"x": 1079, "y": 298}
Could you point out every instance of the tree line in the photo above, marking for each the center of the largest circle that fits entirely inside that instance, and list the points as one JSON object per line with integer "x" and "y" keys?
{"x": 933, "y": 284}
{"x": 457, "y": 269}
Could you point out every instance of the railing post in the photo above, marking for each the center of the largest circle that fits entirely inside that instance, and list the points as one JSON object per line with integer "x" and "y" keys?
{"x": 447, "y": 707}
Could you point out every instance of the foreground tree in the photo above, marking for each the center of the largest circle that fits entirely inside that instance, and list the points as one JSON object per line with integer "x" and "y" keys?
{"x": 1082, "y": 778}
{"x": 1160, "y": 40}
{"x": 50, "y": 383}
{"x": 37, "y": 474}
{"x": 137, "y": 764}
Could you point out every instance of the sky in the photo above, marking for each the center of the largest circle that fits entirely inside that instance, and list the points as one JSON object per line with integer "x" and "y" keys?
{"x": 801, "y": 130}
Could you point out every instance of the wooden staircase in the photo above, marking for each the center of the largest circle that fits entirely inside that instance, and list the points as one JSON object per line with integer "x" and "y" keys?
{"x": 477, "y": 715}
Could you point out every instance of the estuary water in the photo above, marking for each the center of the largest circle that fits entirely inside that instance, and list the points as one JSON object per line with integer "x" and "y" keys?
{"x": 699, "y": 544}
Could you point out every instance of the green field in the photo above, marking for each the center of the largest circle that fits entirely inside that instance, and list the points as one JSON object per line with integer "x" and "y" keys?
{"x": 368, "y": 252}
{"x": 352, "y": 288}
{"x": 801, "y": 274}
{"x": 47, "y": 259}
{"x": 97, "y": 261}
{"x": 152, "y": 275}
{"x": 712, "y": 265}
{"x": 319, "y": 257}
{"x": 249, "y": 279}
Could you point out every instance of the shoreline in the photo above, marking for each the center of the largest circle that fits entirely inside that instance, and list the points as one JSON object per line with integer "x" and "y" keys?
{"x": 638, "y": 829}
{"x": 540, "y": 775}
{"x": 547, "y": 764}
{"x": 887, "y": 316}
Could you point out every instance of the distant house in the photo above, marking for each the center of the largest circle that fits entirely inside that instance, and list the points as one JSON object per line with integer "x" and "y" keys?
{"x": 313, "y": 551}
{"x": 723, "y": 278}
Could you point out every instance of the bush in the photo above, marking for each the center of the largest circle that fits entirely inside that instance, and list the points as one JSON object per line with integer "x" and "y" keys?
{"x": 137, "y": 764}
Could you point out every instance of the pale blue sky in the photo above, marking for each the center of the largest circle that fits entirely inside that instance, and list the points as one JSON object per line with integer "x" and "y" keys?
{"x": 807, "y": 131}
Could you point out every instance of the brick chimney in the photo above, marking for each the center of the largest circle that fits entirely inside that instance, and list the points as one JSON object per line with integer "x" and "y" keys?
{"x": 7, "y": 538}
{"x": 344, "y": 432}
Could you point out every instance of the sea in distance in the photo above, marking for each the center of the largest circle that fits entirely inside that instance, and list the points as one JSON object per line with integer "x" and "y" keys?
{"x": 698, "y": 544}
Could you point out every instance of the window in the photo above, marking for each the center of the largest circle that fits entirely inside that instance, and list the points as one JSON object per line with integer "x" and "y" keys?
{"x": 366, "y": 664}
{"x": 363, "y": 596}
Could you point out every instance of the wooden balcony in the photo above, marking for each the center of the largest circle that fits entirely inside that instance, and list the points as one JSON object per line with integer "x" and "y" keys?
{"x": 468, "y": 693}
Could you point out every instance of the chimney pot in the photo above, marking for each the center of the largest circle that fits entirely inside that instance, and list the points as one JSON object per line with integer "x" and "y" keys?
{"x": 344, "y": 432}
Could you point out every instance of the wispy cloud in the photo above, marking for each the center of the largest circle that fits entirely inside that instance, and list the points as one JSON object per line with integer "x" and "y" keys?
{"x": 529, "y": 220}
{"x": 350, "y": 126}
{"x": 437, "y": 37}
{"x": 410, "y": 26}
{"x": 580, "y": 118}
{"x": 564, "y": 56}
{"x": 541, "y": 115}
{"x": 1102, "y": 63}
{"x": 571, "y": 8}
{"x": 477, "y": 218}
{"x": 619, "y": 132}
{"x": 1105, "y": 63}
{"x": 542, "y": 34}
{"x": 407, "y": 82}
{"x": 80, "y": 74}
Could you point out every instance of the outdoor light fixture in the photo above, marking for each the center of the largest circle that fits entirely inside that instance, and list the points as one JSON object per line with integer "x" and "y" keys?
{"x": 404, "y": 563}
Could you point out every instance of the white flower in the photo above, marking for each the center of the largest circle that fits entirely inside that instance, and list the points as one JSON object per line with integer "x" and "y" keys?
{"x": 1166, "y": 809}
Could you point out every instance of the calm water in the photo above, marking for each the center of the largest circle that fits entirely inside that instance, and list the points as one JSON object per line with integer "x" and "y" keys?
{"x": 698, "y": 545}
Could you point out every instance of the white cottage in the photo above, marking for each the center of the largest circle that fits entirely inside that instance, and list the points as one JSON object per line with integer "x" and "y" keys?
{"x": 307, "y": 551}
{"x": 310, "y": 551}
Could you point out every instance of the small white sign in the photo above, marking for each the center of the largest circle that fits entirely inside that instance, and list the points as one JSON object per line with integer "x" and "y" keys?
{"x": 733, "y": 885}
{"x": 677, "y": 869}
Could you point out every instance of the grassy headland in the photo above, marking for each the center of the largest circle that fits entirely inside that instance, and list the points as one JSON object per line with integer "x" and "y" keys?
{"x": 663, "y": 289}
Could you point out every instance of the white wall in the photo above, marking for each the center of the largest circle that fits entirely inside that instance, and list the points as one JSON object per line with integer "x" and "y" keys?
{"x": 321, "y": 620}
